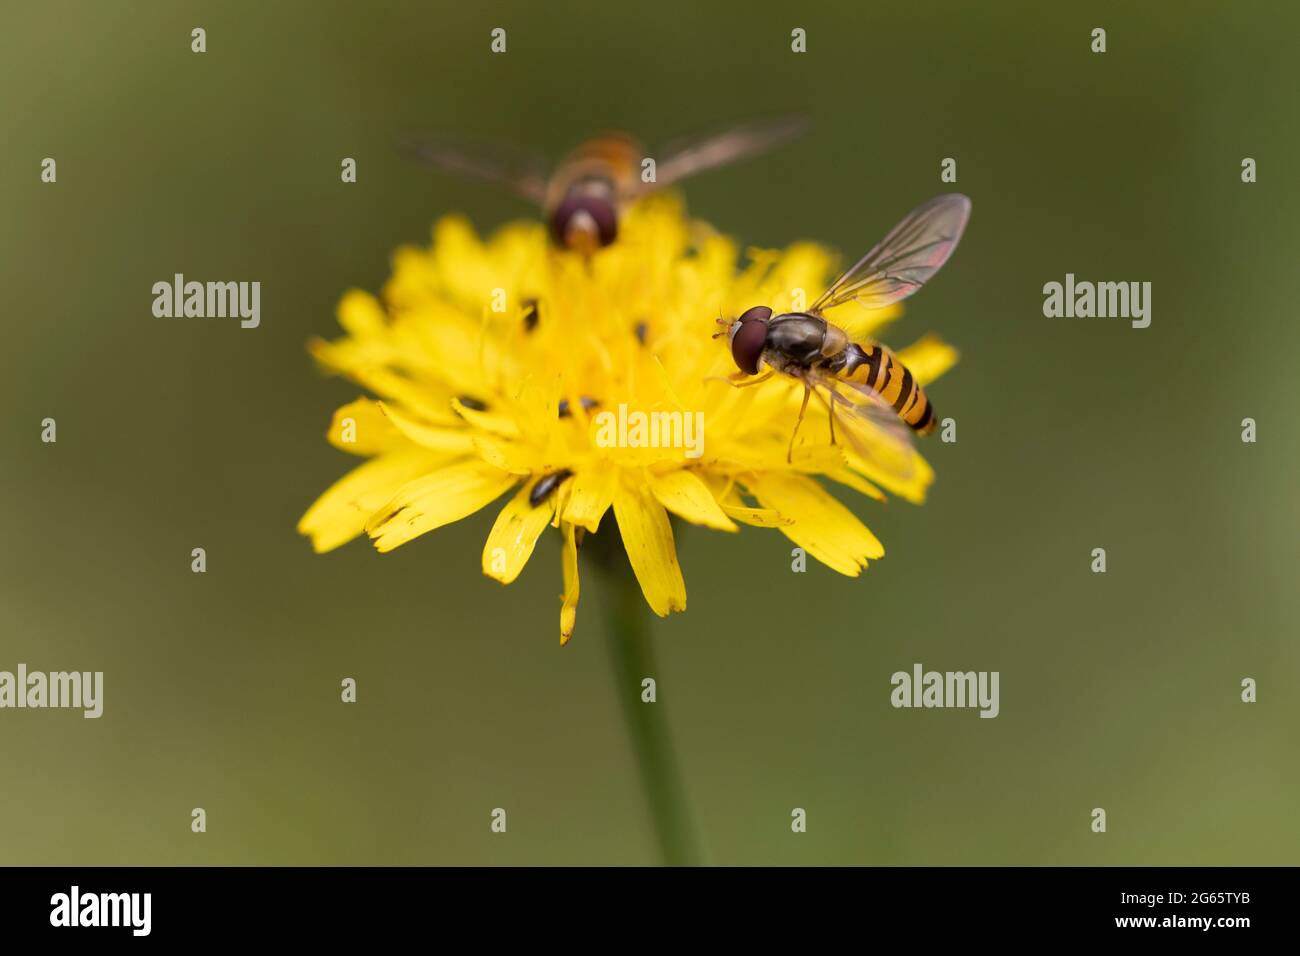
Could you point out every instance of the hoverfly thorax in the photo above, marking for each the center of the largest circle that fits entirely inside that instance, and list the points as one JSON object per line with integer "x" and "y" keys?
{"x": 797, "y": 338}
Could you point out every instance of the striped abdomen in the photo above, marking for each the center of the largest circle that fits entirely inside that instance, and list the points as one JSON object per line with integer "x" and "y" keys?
{"x": 877, "y": 368}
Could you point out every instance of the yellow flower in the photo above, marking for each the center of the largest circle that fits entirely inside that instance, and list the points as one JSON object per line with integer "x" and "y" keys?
{"x": 503, "y": 365}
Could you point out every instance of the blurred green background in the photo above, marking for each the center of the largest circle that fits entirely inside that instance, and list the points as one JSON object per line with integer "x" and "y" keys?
{"x": 222, "y": 690}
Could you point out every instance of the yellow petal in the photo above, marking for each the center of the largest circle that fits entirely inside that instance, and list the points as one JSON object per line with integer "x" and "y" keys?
{"x": 538, "y": 404}
{"x": 685, "y": 495}
{"x": 511, "y": 541}
{"x": 468, "y": 359}
{"x": 910, "y": 481}
{"x": 820, "y": 525}
{"x": 361, "y": 428}
{"x": 804, "y": 265}
{"x": 487, "y": 421}
{"x": 430, "y": 436}
{"x": 666, "y": 383}
{"x": 724, "y": 490}
{"x": 569, "y": 568}
{"x": 648, "y": 539}
{"x": 928, "y": 358}
{"x": 340, "y": 514}
{"x": 846, "y": 476}
{"x": 591, "y": 495}
{"x": 507, "y": 455}
{"x": 757, "y": 517}
{"x": 344, "y": 358}
{"x": 361, "y": 314}
{"x": 448, "y": 494}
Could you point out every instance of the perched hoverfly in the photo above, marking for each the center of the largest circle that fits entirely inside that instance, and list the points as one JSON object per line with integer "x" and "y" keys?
{"x": 866, "y": 382}
{"x": 584, "y": 196}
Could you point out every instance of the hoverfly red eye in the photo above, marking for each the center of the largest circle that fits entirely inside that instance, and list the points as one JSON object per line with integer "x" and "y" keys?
{"x": 747, "y": 343}
{"x": 593, "y": 214}
{"x": 759, "y": 313}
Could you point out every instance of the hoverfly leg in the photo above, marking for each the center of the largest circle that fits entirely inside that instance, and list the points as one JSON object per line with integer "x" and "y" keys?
{"x": 835, "y": 398}
{"x": 789, "y": 453}
{"x": 737, "y": 379}
{"x": 830, "y": 410}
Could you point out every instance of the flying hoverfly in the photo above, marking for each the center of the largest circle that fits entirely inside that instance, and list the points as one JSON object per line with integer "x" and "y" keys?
{"x": 585, "y": 195}
{"x": 866, "y": 381}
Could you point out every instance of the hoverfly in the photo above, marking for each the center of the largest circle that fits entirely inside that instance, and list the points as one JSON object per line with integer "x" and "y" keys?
{"x": 585, "y": 195}
{"x": 865, "y": 381}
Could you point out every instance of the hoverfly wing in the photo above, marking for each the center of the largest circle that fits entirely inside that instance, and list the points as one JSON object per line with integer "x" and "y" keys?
{"x": 687, "y": 157}
{"x": 905, "y": 259}
{"x": 871, "y": 427}
{"x": 521, "y": 172}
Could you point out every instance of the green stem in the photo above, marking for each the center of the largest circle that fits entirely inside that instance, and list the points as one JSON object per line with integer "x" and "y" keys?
{"x": 631, "y": 652}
